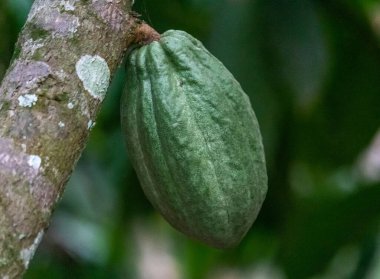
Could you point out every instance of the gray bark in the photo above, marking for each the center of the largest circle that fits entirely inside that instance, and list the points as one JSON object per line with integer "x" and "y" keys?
{"x": 65, "y": 56}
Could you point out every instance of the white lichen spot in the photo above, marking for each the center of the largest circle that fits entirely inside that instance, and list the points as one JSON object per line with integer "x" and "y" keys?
{"x": 62, "y": 75}
{"x": 23, "y": 146}
{"x": 95, "y": 75}
{"x": 27, "y": 253}
{"x": 21, "y": 236}
{"x": 90, "y": 124}
{"x": 27, "y": 100}
{"x": 34, "y": 161}
{"x": 70, "y": 105}
{"x": 3, "y": 261}
{"x": 5, "y": 277}
{"x": 61, "y": 124}
{"x": 67, "y": 6}
{"x": 74, "y": 25}
{"x": 31, "y": 46}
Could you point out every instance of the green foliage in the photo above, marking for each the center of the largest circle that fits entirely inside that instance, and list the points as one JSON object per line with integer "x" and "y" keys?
{"x": 311, "y": 69}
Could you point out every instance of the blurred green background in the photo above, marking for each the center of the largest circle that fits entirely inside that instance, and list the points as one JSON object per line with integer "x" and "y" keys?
{"x": 312, "y": 71}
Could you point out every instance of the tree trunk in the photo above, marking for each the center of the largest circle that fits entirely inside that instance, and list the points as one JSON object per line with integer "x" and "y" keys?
{"x": 65, "y": 56}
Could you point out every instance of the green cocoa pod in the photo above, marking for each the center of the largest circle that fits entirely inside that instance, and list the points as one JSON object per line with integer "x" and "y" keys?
{"x": 193, "y": 140}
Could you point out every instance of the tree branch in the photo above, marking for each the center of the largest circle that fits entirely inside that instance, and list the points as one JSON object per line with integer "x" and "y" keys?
{"x": 49, "y": 98}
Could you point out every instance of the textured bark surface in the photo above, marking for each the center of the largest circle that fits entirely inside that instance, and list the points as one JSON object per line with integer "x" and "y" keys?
{"x": 49, "y": 98}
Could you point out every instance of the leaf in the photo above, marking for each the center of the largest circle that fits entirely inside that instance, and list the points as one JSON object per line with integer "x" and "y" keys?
{"x": 319, "y": 228}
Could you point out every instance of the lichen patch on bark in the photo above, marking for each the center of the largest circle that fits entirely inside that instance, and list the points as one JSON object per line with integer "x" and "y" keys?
{"x": 90, "y": 124}
{"x": 111, "y": 12}
{"x": 28, "y": 73}
{"x": 58, "y": 23}
{"x": 95, "y": 75}
{"x": 27, "y": 100}
{"x": 70, "y": 105}
{"x": 30, "y": 46}
{"x": 34, "y": 161}
{"x": 27, "y": 253}
{"x": 68, "y": 5}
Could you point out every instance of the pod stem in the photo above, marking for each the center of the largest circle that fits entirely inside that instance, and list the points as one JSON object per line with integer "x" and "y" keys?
{"x": 145, "y": 34}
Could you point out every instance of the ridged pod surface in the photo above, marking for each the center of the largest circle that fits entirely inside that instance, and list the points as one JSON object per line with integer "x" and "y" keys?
{"x": 193, "y": 140}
